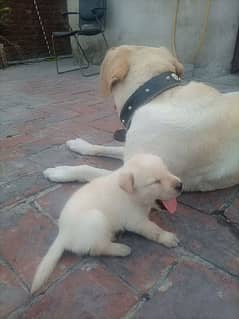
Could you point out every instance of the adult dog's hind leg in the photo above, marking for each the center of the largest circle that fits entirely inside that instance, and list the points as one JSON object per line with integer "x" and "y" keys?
{"x": 85, "y": 148}
{"x": 81, "y": 173}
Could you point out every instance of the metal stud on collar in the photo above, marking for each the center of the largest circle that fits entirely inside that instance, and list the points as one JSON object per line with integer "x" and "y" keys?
{"x": 175, "y": 77}
{"x": 129, "y": 107}
{"x": 147, "y": 90}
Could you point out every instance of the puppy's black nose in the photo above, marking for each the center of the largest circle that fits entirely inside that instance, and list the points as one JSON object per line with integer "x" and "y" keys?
{"x": 179, "y": 186}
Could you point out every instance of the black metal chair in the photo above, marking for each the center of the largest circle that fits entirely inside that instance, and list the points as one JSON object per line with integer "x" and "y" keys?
{"x": 91, "y": 15}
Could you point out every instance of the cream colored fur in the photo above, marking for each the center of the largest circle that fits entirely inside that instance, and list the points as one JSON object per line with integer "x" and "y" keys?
{"x": 194, "y": 128}
{"x": 118, "y": 201}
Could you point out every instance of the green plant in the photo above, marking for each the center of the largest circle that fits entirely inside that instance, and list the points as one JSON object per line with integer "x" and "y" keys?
{"x": 5, "y": 17}
{"x": 5, "y": 12}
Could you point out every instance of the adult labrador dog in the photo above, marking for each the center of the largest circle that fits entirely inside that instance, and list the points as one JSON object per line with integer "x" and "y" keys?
{"x": 193, "y": 127}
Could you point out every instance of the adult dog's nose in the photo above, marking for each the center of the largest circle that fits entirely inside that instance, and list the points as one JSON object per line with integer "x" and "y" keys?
{"x": 179, "y": 186}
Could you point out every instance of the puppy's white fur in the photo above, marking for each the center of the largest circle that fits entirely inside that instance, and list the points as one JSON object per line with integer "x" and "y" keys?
{"x": 118, "y": 201}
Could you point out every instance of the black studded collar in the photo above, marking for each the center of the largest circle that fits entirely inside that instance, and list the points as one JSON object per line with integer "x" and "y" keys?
{"x": 146, "y": 92}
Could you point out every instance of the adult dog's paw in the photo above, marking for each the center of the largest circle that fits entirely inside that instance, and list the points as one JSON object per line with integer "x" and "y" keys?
{"x": 59, "y": 174}
{"x": 80, "y": 146}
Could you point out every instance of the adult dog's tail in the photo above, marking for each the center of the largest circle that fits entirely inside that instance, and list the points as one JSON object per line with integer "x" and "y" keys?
{"x": 47, "y": 264}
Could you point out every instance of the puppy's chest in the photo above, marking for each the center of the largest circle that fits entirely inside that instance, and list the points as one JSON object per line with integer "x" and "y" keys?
{"x": 122, "y": 216}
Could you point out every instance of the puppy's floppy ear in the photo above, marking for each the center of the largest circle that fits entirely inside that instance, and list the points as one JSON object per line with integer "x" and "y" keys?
{"x": 114, "y": 68}
{"x": 179, "y": 67}
{"x": 126, "y": 182}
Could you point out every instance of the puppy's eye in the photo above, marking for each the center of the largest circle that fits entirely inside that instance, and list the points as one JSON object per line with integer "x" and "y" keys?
{"x": 157, "y": 181}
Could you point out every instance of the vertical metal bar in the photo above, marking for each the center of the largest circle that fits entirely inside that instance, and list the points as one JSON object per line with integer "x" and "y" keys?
{"x": 235, "y": 60}
{"x": 42, "y": 27}
{"x": 55, "y": 54}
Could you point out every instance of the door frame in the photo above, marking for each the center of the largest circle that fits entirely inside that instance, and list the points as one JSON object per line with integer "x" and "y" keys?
{"x": 235, "y": 59}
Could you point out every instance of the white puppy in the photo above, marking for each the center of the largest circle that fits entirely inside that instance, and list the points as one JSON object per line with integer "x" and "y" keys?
{"x": 116, "y": 202}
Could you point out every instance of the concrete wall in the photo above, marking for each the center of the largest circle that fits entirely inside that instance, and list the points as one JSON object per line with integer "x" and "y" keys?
{"x": 149, "y": 22}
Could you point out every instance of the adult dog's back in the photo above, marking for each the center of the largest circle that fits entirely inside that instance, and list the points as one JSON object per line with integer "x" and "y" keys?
{"x": 194, "y": 128}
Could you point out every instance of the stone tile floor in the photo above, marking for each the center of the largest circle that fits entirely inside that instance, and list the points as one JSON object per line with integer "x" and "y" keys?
{"x": 39, "y": 111}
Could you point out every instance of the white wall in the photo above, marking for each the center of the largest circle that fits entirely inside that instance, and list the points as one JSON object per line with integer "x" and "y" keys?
{"x": 149, "y": 22}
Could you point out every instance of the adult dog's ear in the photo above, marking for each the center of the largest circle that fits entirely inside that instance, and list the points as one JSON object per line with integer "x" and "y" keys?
{"x": 179, "y": 67}
{"x": 114, "y": 68}
{"x": 126, "y": 182}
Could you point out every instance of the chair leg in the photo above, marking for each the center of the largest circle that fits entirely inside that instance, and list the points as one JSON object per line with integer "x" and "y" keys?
{"x": 106, "y": 43}
{"x": 81, "y": 52}
{"x": 55, "y": 54}
{"x": 86, "y": 58}
{"x": 106, "y": 46}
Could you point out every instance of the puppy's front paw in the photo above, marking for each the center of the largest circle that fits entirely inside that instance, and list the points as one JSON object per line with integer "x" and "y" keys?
{"x": 123, "y": 250}
{"x": 58, "y": 174}
{"x": 168, "y": 239}
{"x": 80, "y": 146}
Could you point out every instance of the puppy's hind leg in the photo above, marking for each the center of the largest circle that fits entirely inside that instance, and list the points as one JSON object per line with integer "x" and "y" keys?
{"x": 111, "y": 249}
{"x": 94, "y": 236}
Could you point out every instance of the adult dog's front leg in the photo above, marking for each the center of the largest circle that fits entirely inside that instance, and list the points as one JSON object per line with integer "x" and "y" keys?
{"x": 85, "y": 148}
{"x": 153, "y": 232}
{"x": 81, "y": 173}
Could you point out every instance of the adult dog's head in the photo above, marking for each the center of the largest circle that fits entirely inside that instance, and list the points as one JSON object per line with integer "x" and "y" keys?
{"x": 127, "y": 67}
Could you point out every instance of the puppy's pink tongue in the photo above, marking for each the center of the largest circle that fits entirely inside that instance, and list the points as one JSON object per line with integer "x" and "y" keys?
{"x": 170, "y": 205}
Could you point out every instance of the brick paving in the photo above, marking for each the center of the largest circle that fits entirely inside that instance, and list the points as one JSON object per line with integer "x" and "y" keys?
{"x": 39, "y": 111}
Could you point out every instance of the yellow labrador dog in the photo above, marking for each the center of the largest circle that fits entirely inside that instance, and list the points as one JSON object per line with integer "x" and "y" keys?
{"x": 119, "y": 201}
{"x": 193, "y": 127}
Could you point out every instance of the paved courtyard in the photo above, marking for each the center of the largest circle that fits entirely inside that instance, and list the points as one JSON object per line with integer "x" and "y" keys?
{"x": 39, "y": 111}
